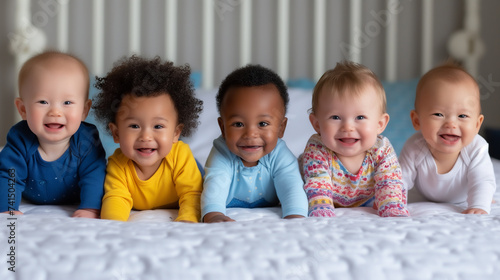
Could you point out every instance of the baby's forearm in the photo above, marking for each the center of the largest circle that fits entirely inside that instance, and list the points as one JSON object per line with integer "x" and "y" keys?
{"x": 320, "y": 201}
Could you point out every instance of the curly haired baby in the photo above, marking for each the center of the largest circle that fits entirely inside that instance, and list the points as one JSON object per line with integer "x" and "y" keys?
{"x": 148, "y": 105}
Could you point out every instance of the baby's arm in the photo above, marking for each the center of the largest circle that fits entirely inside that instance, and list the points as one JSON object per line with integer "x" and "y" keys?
{"x": 13, "y": 170}
{"x": 217, "y": 182}
{"x": 92, "y": 169}
{"x": 117, "y": 201}
{"x": 288, "y": 182}
{"x": 390, "y": 194}
{"x": 317, "y": 181}
{"x": 188, "y": 183}
{"x": 481, "y": 182}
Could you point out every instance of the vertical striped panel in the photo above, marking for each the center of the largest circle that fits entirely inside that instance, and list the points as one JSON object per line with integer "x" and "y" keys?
{"x": 475, "y": 47}
{"x": 208, "y": 45}
{"x": 391, "y": 44}
{"x": 22, "y": 18}
{"x": 319, "y": 37}
{"x": 354, "y": 30}
{"x": 98, "y": 37}
{"x": 283, "y": 38}
{"x": 63, "y": 26}
{"x": 135, "y": 27}
{"x": 171, "y": 30}
{"x": 427, "y": 41}
{"x": 246, "y": 32}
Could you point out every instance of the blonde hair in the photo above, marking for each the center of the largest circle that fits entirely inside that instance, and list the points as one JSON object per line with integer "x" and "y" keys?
{"x": 450, "y": 72}
{"x": 347, "y": 79}
{"x": 49, "y": 56}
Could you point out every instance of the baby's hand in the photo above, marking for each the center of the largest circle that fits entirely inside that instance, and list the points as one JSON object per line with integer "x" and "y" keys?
{"x": 475, "y": 211}
{"x": 86, "y": 213}
{"x": 293, "y": 217}
{"x": 216, "y": 217}
{"x": 13, "y": 212}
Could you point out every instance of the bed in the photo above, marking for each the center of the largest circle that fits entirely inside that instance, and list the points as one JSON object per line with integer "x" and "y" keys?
{"x": 436, "y": 242}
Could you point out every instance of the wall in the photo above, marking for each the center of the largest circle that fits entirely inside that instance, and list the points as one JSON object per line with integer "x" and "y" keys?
{"x": 447, "y": 18}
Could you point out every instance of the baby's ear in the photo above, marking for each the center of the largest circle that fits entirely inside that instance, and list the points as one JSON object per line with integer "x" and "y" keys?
{"x": 177, "y": 132}
{"x": 86, "y": 109}
{"x": 314, "y": 122}
{"x": 20, "y": 107}
{"x": 114, "y": 132}
{"x": 281, "y": 131}
{"x": 414, "y": 120}
{"x": 382, "y": 123}
{"x": 221, "y": 126}
{"x": 480, "y": 120}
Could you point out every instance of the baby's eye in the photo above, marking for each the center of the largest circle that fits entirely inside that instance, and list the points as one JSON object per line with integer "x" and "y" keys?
{"x": 463, "y": 116}
{"x": 438, "y": 115}
{"x": 237, "y": 124}
{"x": 335, "y": 117}
{"x": 68, "y": 102}
{"x": 263, "y": 124}
{"x": 360, "y": 117}
{"x": 43, "y": 102}
{"x": 158, "y": 126}
{"x": 134, "y": 126}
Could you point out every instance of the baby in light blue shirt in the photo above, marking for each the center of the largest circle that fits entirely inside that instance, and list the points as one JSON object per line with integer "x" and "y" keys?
{"x": 249, "y": 165}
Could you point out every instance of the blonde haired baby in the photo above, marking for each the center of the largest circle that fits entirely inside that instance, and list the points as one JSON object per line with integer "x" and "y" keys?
{"x": 348, "y": 163}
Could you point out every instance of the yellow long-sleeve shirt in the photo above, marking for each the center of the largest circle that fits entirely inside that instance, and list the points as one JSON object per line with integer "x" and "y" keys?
{"x": 176, "y": 184}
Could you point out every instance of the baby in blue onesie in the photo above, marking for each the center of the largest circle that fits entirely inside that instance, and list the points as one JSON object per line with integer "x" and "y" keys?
{"x": 52, "y": 156}
{"x": 249, "y": 164}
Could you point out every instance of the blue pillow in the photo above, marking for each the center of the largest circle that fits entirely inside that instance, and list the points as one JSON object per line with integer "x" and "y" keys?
{"x": 400, "y": 101}
{"x": 106, "y": 139}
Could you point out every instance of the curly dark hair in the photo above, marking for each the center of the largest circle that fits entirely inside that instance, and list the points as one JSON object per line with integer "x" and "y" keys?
{"x": 250, "y": 76}
{"x": 148, "y": 77}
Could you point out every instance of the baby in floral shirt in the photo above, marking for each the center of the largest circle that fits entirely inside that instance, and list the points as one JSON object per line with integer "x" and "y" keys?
{"x": 347, "y": 163}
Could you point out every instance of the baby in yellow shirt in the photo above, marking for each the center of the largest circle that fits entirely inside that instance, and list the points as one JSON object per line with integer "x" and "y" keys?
{"x": 148, "y": 105}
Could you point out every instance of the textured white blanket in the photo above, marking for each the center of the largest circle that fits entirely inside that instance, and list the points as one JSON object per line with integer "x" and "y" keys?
{"x": 435, "y": 243}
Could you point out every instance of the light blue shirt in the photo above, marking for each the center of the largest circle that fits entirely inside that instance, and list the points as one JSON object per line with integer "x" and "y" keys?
{"x": 275, "y": 179}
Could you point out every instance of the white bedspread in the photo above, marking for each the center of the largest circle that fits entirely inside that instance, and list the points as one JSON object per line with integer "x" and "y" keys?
{"x": 435, "y": 243}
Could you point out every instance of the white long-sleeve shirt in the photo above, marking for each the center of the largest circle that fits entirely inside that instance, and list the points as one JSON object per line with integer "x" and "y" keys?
{"x": 471, "y": 180}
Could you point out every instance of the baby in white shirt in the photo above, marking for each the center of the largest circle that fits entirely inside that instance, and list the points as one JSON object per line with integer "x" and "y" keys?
{"x": 446, "y": 160}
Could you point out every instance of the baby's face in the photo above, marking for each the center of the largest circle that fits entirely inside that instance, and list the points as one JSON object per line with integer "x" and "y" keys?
{"x": 252, "y": 119}
{"x": 448, "y": 114}
{"x": 53, "y": 100}
{"x": 349, "y": 126}
{"x": 146, "y": 128}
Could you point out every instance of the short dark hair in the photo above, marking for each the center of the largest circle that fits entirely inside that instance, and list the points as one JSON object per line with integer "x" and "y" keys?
{"x": 250, "y": 76}
{"x": 148, "y": 78}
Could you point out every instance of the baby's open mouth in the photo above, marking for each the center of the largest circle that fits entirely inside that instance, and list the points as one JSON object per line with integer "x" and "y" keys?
{"x": 54, "y": 125}
{"x": 450, "y": 137}
{"x": 348, "y": 140}
{"x": 146, "y": 150}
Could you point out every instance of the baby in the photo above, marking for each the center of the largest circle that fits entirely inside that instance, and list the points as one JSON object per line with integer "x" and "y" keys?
{"x": 52, "y": 156}
{"x": 148, "y": 105}
{"x": 347, "y": 163}
{"x": 447, "y": 160}
{"x": 249, "y": 165}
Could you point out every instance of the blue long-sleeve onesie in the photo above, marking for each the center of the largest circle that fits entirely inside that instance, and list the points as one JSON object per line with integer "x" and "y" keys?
{"x": 275, "y": 179}
{"x": 77, "y": 176}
